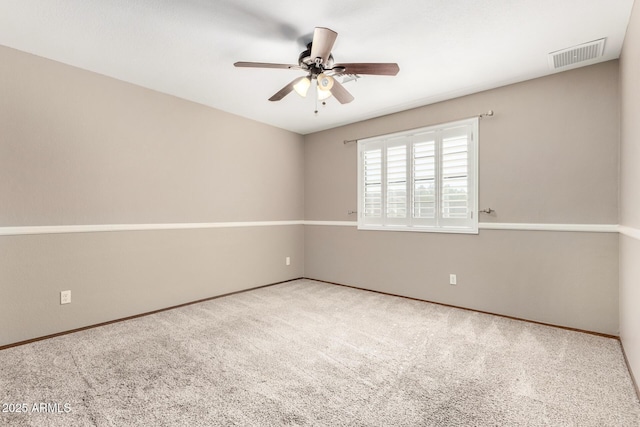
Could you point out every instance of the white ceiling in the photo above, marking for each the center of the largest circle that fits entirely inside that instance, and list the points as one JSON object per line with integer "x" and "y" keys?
{"x": 445, "y": 48}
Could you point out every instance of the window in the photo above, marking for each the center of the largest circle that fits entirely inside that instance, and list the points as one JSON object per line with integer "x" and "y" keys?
{"x": 420, "y": 180}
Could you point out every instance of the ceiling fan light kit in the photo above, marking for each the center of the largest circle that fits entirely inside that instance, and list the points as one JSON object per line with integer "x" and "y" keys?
{"x": 323, "y": 94}
{"x": 317, "y": 61}
{"x": 302, "y": 87}
{"x": 325, "y": 82}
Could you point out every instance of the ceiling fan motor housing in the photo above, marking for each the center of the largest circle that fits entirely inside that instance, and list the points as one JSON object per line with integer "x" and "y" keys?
{"x": 308, "y": 63}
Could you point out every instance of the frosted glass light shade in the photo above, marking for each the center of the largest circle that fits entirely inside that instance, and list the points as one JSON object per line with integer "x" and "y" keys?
{"x": 302, "y": 87}
{"x": 323, "y": 94}
{"x": 325, "y": 82}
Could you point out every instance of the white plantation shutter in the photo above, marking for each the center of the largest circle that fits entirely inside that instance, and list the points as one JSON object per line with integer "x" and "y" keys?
{"x": 372, "y": 170}
{"x": 455, "y": 204}
{"x": 396, "y": 183}
{"x": 370, "y": 190}
{"x": 424, "y": 179}
{"x": 421, "y": 180}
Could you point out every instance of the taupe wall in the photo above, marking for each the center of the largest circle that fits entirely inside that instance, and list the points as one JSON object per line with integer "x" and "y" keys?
{"x": 630, "y": 191}
{"x": 549, "y": 155}
{"x": 80, "y": 148}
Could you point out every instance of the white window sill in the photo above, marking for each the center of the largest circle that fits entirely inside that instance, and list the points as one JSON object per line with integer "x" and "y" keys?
{"x": 417, "y": 228}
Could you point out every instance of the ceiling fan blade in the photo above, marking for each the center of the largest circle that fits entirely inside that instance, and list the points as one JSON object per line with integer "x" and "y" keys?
{"x": 266, "y": 65}
{"x": 379, "y": 69}
{"x": 285, "y": 90}
{"x": 340, "y": 93}
{"x": 323, "y": 40}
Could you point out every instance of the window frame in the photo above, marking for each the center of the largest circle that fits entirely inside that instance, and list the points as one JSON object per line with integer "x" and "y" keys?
{"x": 439, "y": 224}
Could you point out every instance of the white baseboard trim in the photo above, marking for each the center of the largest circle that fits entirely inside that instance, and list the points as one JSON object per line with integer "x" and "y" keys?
{"x": 58, "y": 229}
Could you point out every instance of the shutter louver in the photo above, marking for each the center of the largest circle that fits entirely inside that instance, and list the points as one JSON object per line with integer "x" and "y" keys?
{"x": 455, "y": 173}
{"x": 372, "y": 169}
{"x": 424, "y": 179}
{"x": 397, "y": 182}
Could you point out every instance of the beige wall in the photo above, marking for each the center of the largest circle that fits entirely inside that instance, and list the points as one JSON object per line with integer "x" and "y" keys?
{"x": 567, "y": 279}
{"x": 629, "y": 193}
{"x": 80, "y": 148}
{"x": 118, "y": 274}
{"x": 549, "y": 155}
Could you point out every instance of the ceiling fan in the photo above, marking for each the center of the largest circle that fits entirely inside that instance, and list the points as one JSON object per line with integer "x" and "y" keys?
{"x": 317, "y": 62}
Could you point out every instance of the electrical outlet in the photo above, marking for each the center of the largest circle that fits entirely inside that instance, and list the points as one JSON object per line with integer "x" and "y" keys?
{"x": 65, "y": 297}
{"x": 287, "y": 260}
{"x": 452, "y": 279}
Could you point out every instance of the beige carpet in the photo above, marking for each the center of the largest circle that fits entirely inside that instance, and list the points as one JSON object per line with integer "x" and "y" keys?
{"x": 314, "y": 354}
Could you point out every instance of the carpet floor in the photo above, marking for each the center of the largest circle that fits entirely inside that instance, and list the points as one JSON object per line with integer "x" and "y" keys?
{"x": 306, "y": 353}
